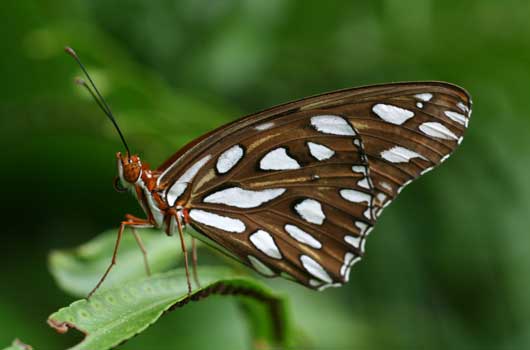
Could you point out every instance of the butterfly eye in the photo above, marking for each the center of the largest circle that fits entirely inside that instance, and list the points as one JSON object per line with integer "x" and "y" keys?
{"x": 118, "y": 186}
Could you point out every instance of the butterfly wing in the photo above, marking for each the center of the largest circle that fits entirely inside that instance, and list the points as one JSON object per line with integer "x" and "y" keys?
{"x": 295, "y": 189}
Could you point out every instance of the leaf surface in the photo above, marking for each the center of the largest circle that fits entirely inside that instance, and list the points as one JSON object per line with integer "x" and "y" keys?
{"x": 115, "y": 315}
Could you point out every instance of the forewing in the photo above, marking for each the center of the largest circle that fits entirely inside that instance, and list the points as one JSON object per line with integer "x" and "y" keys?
{"x": 297, "y": 188}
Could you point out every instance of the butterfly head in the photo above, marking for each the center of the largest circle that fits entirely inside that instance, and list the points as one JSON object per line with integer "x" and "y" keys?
{"x": 129, "y": 170}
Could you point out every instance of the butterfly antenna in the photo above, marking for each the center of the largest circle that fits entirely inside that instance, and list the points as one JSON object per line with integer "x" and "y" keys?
{"x": 96, "y": 95}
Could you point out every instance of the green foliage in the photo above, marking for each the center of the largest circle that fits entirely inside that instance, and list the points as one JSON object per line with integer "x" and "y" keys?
{"x": 113, "y": 316}
{"x": 78, "y": 270}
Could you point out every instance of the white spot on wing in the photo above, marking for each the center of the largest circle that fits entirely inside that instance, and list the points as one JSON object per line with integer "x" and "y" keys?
{"x": 315, "y": 269}
{"x": 359, "y": 169}
{"x": 435, "y": 129}
{"x": 355, "y": 196}
{"x": 302, "y": 236}
{"x": 424, "y": 97}
{"x": 363, "y": 245}
{"x": 361, "y": 226}
{"x": 462, "y": 107}
{"x": 381, "y": 197}
{"x": 332, "y": 124}
{"x": 352, "y": 240}
{"x": 457, "y": 117}
{"x": 229, "y": 158}
{"x": 175, "y": 191}
{"x": 364, "y": 183}
{"x": 241, "y": 198}
{"x": 314, "y": 283}
{"x": 348, "y": 258}
{"x": 278, "y": 159}
{"x": 311, "y": 211}
{"x": 260, "y": 267}
{"x": 178, "y": 188}
{"x": 392, "y": 114}
{"x": 264, "y": 126}
{"x": 326, "y": 286}
{"x": 368, "y": 214}
{"x": 399, "y": 154}
{"x": 419, "y": 104}
{"x": 444, "y": 158}
{"x": 265, "y": 243}
{"x": 220, "y": 222}
{"x": 320, "y": 152}
{"x": 386, "y": 185}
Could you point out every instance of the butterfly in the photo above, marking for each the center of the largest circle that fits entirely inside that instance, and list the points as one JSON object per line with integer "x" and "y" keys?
{"x": 295, "y": 190}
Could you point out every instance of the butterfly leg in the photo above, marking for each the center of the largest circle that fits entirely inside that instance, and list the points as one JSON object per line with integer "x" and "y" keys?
{"x": 194, "y": 261}
{"x": 132, "y": 218}
{"x": 185, "y": 252}
{"x": 136, "y": 223}
{"x": 142, "y": 248}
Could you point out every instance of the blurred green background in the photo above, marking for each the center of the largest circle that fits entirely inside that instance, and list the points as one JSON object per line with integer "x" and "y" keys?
{"x": 448, "y": 265}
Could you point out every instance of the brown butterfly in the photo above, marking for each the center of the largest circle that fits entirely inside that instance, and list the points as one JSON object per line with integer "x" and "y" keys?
{"x": 295, "y": 190}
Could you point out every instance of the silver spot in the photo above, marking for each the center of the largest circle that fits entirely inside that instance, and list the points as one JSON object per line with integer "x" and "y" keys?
{"x": 229, "y": 158}
{"x": 224, "y": 223}
{"x": 424, "y": 97}
{"x": 241, "y": 198}
{"x": 278, "y": 159}
{"x": 264, "y": 126}
{"x": 381, "y": 197}
{"x": 399, "y": 154}
{"x": 315, "y": 269}
{"x": 359, "y": 169}
{"x": 348, "y": 257}
{"x": 368, "y": 214}
{"x": 352, "y": 240}
{"x": 178, "y": 188}
{"x": 332, "y": 124}
{"x": 386, "y": 185}
{"x": 364, "y": 183}
{"x": 355, "y": 196}
{"x": 311, "y": 211}
{"x": 437, "y": 130}
{"x": 362, "y": 226}
{"x": 457, "y": 117}
{"x": 462, "y": 107}
{"x": 320, "y": 152}
{"x": 264, "y": 242}
{"x": 328, "y": 285}
{"x": 302, "y": 236}
{"x": 392, "y": 114}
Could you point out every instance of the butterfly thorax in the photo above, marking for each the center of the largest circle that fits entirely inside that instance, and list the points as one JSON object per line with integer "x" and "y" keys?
{"x": 142, "y": 182}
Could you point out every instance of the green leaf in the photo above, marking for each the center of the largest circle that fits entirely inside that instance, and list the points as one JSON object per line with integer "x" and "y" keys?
{"x": 78, "y": 270}
{"x": 112, "y": 316}
{"x": 18, "y": 345}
